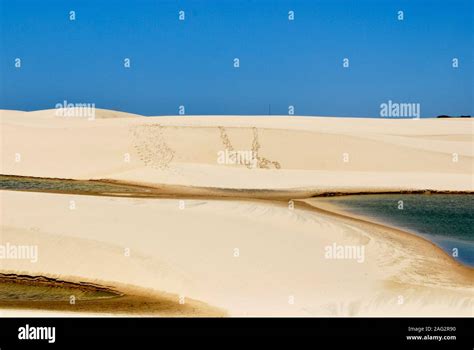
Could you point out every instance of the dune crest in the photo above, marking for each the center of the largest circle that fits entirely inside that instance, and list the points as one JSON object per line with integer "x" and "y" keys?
{"x": 325, "y": 154}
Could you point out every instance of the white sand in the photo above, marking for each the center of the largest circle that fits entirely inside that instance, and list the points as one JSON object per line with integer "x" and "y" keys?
{"x": 383, "y": 154}
{"x": 190, "y": 251}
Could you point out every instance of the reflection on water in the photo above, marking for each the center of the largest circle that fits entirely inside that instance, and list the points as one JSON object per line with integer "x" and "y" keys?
{"x": 445, "y": 219}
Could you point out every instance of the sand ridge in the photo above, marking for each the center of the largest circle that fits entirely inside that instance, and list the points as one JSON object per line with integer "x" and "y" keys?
{"x": 326, "y": 154}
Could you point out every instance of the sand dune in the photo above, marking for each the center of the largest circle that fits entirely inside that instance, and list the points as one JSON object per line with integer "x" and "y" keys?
{"x": 307, "y": 154}
{"x": 246, "y": 257}
{"x": 58, "y": 113}
{"x": 279, "y": 268}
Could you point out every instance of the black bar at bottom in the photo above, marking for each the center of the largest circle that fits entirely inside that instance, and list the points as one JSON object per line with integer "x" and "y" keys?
{"x": 449, "y": 333}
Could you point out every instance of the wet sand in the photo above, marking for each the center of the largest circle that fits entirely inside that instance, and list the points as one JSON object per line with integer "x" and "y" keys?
{"x": 41, "y": 293}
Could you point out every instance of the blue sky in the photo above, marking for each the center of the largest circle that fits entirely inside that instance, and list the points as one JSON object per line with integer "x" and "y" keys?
{"x": 282, "y": 62}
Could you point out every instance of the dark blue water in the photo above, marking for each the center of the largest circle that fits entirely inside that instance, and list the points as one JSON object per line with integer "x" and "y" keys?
{"x": 445, "y": 219}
